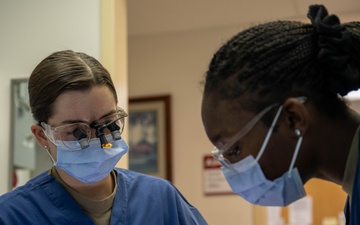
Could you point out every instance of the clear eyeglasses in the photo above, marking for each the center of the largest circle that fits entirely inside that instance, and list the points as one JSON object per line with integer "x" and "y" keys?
{"x": 218, "y": 153}
{"x": 77, "y": 136}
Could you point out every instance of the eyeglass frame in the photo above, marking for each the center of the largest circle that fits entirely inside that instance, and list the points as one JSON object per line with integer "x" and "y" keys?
{"x": 93, "y": 125}
{"x": 218, "y": 153}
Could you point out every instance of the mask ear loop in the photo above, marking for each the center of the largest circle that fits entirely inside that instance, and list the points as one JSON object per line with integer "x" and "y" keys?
{"x": 218, "y": 153}
{"x": 48, "y": 152}
{"x": 302, "y": 99}
{"x": 296, "y": 151}
{"x": 267, "y": 138}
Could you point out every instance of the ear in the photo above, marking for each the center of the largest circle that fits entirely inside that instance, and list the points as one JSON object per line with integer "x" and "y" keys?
{"x": 38, "y": 132}
{"x": 296, "y": 115}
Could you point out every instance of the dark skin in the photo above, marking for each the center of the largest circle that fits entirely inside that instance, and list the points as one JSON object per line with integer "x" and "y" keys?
{"x": 324, "y": 150}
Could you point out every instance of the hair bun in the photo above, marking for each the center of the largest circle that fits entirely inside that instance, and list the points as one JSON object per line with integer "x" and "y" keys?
{"x": 335, "y": 43}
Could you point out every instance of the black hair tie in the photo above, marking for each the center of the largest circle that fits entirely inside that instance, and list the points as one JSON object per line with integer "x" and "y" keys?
{"x": 335, "y": 43}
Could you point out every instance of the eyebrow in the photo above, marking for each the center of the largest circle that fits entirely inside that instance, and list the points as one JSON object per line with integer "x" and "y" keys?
{"x": 87, "y": 122}
{"x": 214, "y": 139}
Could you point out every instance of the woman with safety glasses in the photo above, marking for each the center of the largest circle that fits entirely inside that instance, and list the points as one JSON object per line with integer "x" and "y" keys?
{"x": 273, "y": 107}
{"x": 73, "y": 99}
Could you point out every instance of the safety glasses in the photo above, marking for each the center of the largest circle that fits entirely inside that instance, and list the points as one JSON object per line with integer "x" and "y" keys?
{"x": 218, "y": 152}
{"x": 77, "y": 136}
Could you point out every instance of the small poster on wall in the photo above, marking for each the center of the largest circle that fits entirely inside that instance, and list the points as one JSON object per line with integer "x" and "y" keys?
{"x": 214, "y": 181}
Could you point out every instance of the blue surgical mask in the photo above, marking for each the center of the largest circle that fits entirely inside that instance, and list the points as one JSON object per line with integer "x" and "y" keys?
{"x": 91, "y": 164}
{"x": 247, "y": 179}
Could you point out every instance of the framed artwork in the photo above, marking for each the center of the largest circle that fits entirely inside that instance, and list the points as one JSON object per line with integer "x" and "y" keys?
{"x": 150, "y": 136}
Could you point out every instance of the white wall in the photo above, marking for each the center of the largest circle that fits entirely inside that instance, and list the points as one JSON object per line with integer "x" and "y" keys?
{"x": 174, "y": 63}
{"x": 31, "y": 30}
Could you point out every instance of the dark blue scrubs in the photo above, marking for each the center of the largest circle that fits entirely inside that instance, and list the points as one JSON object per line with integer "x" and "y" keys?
{"x": 139, "y": 200}
{"x": 352, "y": 211}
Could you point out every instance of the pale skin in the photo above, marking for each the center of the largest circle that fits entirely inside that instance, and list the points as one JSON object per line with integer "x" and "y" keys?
{"x": 325, "y": 146}
{"x": 80, "y": 106}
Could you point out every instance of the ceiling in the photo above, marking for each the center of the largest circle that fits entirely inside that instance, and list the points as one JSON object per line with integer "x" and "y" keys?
{"x": 159, "y": 16}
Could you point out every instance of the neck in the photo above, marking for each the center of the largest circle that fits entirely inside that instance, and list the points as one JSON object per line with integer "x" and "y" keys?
{"x": 95, "y": 191}
{"x": 334, "y": 142}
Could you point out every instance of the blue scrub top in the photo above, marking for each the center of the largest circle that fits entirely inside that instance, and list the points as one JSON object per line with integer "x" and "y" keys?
{"x": 139, "y": 200}
{"x": 352, "y": 211}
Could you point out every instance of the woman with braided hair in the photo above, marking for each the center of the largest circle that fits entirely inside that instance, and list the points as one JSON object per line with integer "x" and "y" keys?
{"x": 273, "y": 107}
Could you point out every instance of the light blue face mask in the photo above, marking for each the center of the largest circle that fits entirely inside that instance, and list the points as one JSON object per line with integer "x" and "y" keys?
{"x": 91, "y": 164}
{"x": 253, "y": 186}
{"x": 247, "y": 179}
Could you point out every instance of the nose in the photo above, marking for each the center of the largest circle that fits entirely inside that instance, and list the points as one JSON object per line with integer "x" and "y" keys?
{"x": 92, "y": 133}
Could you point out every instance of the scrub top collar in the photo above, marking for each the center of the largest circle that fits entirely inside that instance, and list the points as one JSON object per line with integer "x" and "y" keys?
{"x": 350, "y": 169}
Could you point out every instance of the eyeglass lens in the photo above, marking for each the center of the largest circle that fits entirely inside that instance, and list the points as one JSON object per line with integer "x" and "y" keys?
{"x": 80, "y": 132}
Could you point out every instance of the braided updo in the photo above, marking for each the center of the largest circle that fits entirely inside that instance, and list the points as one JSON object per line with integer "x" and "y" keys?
{"x": 283, "y": 59}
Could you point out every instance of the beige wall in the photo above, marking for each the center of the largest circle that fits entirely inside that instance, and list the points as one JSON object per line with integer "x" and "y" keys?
{"x": 175, "y": 64}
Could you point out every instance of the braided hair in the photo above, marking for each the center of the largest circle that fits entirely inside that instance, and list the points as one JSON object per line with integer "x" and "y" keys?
{"x": 282, "y": 59}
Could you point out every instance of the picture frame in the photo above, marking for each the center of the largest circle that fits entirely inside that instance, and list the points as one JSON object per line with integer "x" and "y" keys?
{"x": 150, "y": 136}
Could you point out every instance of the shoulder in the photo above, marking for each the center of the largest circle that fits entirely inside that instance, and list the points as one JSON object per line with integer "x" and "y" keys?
{"x": 15, "y": 205}
{"x": 141, "y": 185}
{"x": 134, "y": 178}
{"x": 32, "y": 186}
{"x": 156, "y": 194}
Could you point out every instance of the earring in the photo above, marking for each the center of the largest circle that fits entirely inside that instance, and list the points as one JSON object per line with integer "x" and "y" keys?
{"x": 48, "y": 152}
{"x": 296, "y": 151}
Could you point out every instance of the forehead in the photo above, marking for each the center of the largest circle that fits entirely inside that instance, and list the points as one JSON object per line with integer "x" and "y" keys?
{"x": 84, "y": 105}
{"x": 222, "y": 118}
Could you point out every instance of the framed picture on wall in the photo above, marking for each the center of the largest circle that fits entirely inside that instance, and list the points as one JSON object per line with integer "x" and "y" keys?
{"x": 150, "y": 136}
